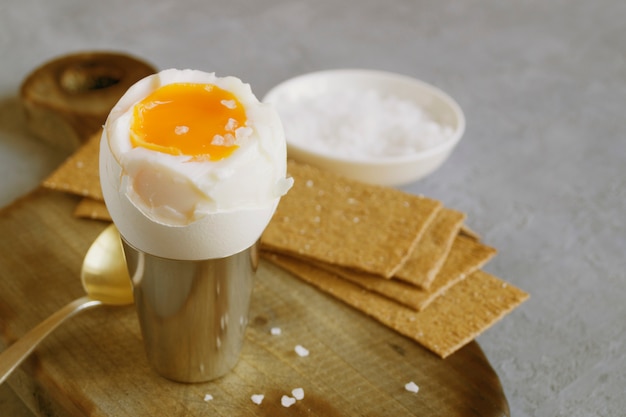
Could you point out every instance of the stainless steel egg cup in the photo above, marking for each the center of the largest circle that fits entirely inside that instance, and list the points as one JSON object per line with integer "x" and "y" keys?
{"x": 193, "y": 314}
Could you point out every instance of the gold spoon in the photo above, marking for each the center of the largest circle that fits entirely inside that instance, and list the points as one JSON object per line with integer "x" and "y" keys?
{"x": 106, "y": 281}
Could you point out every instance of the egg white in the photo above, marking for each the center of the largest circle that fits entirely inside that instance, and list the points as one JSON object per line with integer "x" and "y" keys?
{"x": 175, "y": 207}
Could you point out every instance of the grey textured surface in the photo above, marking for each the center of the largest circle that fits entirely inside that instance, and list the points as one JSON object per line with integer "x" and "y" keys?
{"x": 540, "y": 170}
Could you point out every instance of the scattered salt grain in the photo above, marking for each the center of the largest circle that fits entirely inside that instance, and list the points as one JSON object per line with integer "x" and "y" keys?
{"x": 412, "y": 387}
{"x": 275, "y": 331}
{"x": 208, "y": 397}
{"x": 301, "y": 351}
{"x": 257, "y": 398}
{"x": 298, "y": 393}
{"x": 287, "y": 401}
{"x": 360, "y": 123}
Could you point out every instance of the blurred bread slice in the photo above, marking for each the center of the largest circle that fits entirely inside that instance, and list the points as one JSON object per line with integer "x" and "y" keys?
{"x": 69, "y": 98}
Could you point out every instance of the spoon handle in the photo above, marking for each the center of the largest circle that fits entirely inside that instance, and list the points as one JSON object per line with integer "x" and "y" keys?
{"x": 15, "y": 354}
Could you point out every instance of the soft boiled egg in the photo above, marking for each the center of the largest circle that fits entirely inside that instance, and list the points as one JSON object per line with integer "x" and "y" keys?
{"x": 192, "y": 166}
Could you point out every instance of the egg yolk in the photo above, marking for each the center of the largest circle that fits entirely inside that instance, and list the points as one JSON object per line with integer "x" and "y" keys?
{"x": 197, "y": 120}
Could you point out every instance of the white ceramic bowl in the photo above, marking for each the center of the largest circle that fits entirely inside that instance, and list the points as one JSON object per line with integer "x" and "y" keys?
{"x": 386, "y": 170}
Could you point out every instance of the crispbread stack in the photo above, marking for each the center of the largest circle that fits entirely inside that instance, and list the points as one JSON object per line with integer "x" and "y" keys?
{"x": 405, "y": 260}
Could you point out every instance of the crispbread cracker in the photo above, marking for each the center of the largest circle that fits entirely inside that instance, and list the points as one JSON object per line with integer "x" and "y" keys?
{"x": 92, "y": 209}
{"x": 343, "y": 222}
{"x": 79, "y": 173}
{"x": 452, "y": 320}
{"x": 422, "y": 266}
{"x": 465, "y": 257}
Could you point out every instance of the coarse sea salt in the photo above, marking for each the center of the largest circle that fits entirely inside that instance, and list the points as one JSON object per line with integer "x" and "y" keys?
{"x": 411, "y": 387}
{"x": 301, "y": 351}
{"x": 360, "y": 124}
{"x": 298, "y": 393}
{"x": 287, "y": 401}
{"x": 257, "y": 398}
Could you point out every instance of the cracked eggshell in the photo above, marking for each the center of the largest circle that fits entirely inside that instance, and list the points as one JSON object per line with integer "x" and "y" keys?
{"x": 216, "y": 235}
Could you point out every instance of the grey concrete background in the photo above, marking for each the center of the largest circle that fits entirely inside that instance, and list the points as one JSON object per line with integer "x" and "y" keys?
{"x": 540, "y": 170}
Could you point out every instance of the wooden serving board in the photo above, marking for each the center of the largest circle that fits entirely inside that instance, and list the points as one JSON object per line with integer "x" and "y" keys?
{"x": 94, "y": 365}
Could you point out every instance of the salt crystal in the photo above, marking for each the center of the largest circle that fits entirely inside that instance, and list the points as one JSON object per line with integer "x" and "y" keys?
{"x": 181, "y": 130}
{"x": 287, "y": 401}
{"x": 412, "y": 387}
{"x": 301, "y": 351}
{"x": 298, "y": 393}
{"x": 275, "y": 331}
{"x": 231, "y": 125}
{"x": 243, "y": 132}
{"x": 230, "y": 104}
{"x": 208, "y": 397}
{"x": 257, "y": 398}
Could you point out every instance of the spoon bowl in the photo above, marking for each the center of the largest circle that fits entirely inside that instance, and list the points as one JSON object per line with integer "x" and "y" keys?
{"x": 106, "y": 281}
{"x": 104, "y": 273}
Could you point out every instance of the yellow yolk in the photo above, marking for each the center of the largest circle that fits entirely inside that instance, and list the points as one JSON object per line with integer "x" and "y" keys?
{"x": 197, "y": 120}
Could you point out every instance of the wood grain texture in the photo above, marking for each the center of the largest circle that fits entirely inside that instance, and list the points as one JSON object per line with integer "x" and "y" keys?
{"x": 94, "y": 365}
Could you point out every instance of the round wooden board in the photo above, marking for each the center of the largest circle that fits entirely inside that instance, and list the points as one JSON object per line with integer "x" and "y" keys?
{"x": 94, "y": 365}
